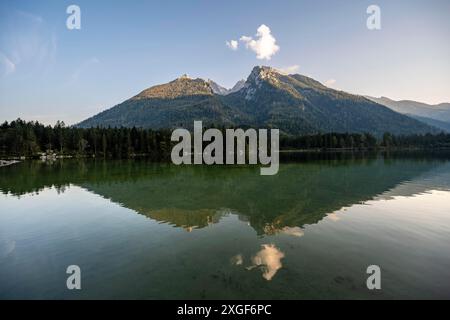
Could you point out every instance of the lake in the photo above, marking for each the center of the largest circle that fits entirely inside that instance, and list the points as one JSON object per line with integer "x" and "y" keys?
{"x": 140, "y": 230}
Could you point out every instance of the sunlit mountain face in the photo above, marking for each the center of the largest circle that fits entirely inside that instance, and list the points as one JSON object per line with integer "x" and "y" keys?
{"x": 226, "y": 232}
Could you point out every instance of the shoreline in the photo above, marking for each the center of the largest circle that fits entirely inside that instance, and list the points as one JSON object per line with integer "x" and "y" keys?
{"x": 5, "y": 163}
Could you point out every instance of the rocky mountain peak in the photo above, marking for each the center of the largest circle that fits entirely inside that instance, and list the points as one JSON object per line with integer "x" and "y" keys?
{"x": 184, "y": 76}
{"x": 217, "y": 88}
{"x": 238, "y": 86}
{"x": 260, "y": 73}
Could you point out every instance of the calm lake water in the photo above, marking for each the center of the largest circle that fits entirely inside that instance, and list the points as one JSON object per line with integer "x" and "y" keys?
{"x": 158, "y": 231}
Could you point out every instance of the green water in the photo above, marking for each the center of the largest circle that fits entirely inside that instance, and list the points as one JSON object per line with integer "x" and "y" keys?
{"x": 141, "y": 230}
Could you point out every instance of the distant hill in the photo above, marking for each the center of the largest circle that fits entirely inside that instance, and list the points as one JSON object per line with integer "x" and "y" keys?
{"x": 436, "y": 115}
{"x": 432, "y": 122}
{"x": 295, "y": 104}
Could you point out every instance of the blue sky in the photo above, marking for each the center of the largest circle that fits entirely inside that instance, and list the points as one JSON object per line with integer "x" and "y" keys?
{"x": 48, "y": 72}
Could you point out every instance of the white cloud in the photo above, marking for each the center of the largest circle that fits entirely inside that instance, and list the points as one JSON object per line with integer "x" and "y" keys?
{"x": 293, "y": 231}
{"x": 269, "y": 260}
{"x": 246, "y": 39}
{"x": 265, "y": 44}
{"x": 7, "y": 66}
{"x": 333, "y": 217}
{"x": 233, "y": 45}
{"x": 290, "y": 69}
{"x": 330, "y": 82}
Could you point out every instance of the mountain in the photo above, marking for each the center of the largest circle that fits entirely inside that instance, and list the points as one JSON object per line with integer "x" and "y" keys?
{"x": 298, "y": 104}
{"x": 436, "y": 115}
{"x": 174, "y": 104}
{"x": 295, "y": 104}
{"x": 238, "y": 86}
{"x": 432, "y": 122}
{"x": 218, "y": 89}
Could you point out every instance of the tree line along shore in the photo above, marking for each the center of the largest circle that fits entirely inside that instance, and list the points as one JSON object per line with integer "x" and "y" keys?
{"x": 20, "y": 139}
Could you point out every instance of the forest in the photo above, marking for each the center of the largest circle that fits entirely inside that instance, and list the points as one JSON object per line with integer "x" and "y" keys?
{"x": 31, "y": 139}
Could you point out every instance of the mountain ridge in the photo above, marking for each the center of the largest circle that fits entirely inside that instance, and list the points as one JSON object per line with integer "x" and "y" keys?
{"x": 437, "y": 115}
{"x": 295, "y": 104}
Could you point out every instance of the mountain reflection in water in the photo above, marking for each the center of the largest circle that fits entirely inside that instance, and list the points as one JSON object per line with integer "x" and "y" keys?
{"x": 308, "y": 232}
{"x": 194, "y": 197}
